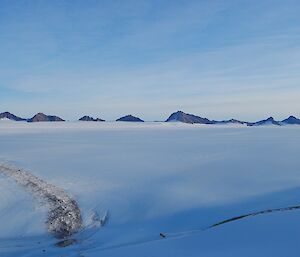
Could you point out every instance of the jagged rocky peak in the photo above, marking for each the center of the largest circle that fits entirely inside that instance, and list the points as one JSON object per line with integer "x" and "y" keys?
{"x": 231, "y": 121}
{"x": 187, "y": 118}
{"x": 89, "y": 118}
{"x": 130, "y": 118}
{"x": 291, "y": 120}
{"x": 10, "y": 116}
{"x": 41, "y": 117}
{"x": 269, "y": 121}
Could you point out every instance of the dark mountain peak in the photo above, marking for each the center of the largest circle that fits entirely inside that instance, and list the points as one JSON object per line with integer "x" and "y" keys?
{"x": 130, "y": 118}
{"x": 291, "y": 120}
{"x": 10, "y": 116}
{"x": 89, "y": 118}
{"x": 187, "y": 118}
{"x": 269, "y": 121}
{"x": 40, "y": 117}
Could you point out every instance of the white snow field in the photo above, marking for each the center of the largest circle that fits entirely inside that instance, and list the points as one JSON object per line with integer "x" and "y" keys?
{"x": 170, "y": 178}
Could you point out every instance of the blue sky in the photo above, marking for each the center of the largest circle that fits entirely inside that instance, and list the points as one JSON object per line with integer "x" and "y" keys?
{"x": 218, "y": 59}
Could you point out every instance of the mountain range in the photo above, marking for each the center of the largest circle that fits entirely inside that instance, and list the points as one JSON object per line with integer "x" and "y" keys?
{"x": 178, "y": 116}
{"x": 39, "y": 117}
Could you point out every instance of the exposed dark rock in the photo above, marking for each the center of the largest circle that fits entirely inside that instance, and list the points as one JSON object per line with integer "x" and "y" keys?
{"x": 188, "y": 118}
{"x": 130, "y": 118}
{"x": 88, "y": 118}
{"x": 269, "y": 121}
{"x": 292, "y": 120}
{"x": 231, "y": 121}
{"x": 43, "y": 117}
{"x": 10, "y": 116}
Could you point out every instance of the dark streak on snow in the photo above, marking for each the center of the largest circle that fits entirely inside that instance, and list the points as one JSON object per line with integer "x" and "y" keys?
{"x": 290, "y": 208}
{"x": 64, "y": 216}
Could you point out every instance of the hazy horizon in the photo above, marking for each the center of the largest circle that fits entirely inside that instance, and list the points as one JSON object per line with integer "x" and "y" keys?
{"x": 106, "y": 59}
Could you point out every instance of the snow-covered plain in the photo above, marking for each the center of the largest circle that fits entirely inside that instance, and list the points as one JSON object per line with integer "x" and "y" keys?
{"x": 170, "y": 178}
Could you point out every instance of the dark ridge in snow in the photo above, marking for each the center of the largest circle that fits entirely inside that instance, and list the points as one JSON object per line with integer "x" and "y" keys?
{"x": 291, "y": 120}
{"x": 130, "y": 118}
{"x": 40, "y": 117}
{"x": 231, "y": 121}
{"x": 269, "y": 121}
{"x": 188, "y": 118}
{"x": 268, "y": 211}
{"x": 89, "y": 118}
{"x": 64, "y": 216}
{"x": 10, "y": 116}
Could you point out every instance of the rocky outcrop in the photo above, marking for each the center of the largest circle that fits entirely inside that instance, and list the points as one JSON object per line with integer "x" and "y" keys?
{"x": 89, "y": 118}
{"x": 41, "y": 117}
{"x": 10, "y": 116}
{"x": 231, "y": 121}
{"x": 130, "y": 118}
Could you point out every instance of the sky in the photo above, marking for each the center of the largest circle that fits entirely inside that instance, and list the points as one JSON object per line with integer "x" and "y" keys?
{"x": 108, "y": 58}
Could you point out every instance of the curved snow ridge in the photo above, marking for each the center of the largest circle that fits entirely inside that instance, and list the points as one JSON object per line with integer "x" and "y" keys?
{"x": 64, "y": 216}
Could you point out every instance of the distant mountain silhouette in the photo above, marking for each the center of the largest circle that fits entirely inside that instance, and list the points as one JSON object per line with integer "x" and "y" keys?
{"x": 89, "y": 118}
{"x": 291, "y": 120}
{"x": 191, "y": 118}
{"x": 130, "y": 118}
{"x": 188, "y": 118}
{"x": 41, "y": 117}
{"x": 10, "y": 116}
{"x": 178, "y": 116}
{"x": 269, "y": 121}
{"x": 231, "y": 121}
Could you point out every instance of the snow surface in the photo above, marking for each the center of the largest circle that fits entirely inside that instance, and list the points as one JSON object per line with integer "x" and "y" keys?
{"x": 152, "y": 178}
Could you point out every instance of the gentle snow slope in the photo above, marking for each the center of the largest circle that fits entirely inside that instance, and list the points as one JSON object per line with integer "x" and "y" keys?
{"x": 154, "y": 178}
